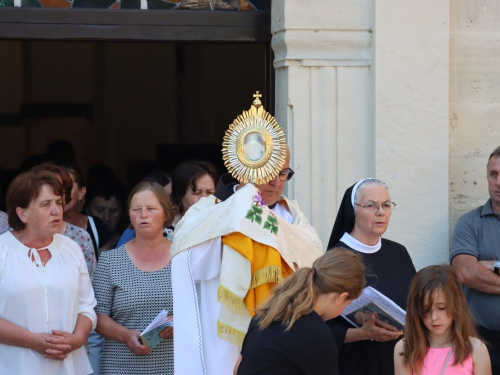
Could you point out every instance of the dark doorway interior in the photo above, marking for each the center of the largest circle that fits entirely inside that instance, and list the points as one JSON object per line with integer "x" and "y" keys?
{"x": 134, "y": 106}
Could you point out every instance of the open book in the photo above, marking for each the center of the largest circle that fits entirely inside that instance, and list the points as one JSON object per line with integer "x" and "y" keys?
{"x": 151, "y": 335}
{"x": 372, "y": 301}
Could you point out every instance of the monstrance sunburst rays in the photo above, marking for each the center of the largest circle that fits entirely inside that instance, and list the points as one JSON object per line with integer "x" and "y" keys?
{"x": 254, "y": 147}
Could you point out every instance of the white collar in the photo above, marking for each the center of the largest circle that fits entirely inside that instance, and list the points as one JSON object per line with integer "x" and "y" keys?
{"x": 359, "y": 246}
{"x": 281, "y": 209}
{"x": 21, "y": 248}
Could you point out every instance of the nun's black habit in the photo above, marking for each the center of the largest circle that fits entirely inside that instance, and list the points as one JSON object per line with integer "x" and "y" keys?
{"x": 389, "y": 269}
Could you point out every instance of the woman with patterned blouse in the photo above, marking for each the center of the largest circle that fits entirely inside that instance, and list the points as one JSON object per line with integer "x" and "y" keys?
{"x": 132, "y": 285}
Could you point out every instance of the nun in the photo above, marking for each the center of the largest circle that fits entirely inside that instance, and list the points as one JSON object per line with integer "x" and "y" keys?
{"x": 362, "y": 219}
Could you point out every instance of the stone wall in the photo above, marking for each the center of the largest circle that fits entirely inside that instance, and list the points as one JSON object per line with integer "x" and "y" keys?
{"x": 474, "y": 101}
{"x": 362, "y": 89}
{"x": 411, "y": 91}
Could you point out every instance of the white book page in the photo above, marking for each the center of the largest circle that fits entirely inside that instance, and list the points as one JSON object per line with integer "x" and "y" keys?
{"x": 161, "y": 318}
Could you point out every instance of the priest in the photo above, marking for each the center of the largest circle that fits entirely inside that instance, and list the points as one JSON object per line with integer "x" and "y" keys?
{"x": 227, "y": 255}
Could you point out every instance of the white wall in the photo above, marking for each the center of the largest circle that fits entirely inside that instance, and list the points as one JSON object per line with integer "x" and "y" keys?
{"x": 411, "y": 99}
{"x": 362, "y": 91}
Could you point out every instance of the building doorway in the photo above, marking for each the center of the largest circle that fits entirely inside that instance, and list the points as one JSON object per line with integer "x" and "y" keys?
{"x": 132, "y": 105}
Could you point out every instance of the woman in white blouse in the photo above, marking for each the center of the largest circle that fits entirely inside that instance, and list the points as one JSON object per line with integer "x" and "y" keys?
{"x": 46, "y": 298}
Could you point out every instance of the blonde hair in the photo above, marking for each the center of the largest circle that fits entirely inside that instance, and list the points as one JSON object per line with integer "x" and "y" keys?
{"x": 338, "y": 270}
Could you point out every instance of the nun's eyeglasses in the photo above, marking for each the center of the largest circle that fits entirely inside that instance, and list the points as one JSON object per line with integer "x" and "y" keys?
{"x": 286, "y": 174}
{"x": 373, "y": 207}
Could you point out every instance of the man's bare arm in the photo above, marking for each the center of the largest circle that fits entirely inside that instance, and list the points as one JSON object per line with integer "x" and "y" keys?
{"x": 476, "y": 275}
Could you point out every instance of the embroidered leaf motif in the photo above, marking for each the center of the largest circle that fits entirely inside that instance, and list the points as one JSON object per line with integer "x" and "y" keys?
{"x": 272, "y": 219}
{"x": 258, "y": 219}
{"x": 254, "y": 214}
{"x": 250, "y": 215}
{"x": 271, "y": 224}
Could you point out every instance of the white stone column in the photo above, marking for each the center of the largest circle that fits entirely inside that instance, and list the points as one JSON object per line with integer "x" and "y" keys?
{"x": 362, "y": 91}
{"x": 322, "y": 61}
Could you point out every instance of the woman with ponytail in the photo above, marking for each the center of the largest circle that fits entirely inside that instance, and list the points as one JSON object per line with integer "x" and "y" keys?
{"x": 288, "y": 335}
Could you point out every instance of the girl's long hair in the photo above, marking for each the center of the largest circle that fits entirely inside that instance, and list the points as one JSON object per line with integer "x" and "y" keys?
{"x": 339, "y": 270}
{"x": 424, "y": 286}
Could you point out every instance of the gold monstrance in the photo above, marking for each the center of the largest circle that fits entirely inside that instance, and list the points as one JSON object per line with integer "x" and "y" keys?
{"x": 254, "y": 147}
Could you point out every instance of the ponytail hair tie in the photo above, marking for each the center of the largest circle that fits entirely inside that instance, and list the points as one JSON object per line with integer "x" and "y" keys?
{"x": 315, "y": 271}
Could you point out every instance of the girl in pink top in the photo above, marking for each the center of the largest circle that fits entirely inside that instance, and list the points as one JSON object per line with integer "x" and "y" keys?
{"x": 440, "y": 337}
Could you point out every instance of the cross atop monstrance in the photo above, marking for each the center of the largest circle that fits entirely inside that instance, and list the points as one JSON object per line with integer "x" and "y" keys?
{"x": 257, "y": 103}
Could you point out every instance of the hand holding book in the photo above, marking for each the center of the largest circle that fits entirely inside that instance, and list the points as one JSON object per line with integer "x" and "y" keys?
{"x": 371, "y": 331}
{"x": 377, "y": 316}
{"x": 158, "y": 329}
{"x": 134, "y": 343}
{"x": 361, "y": 317}
{"x": 386, "y": 325}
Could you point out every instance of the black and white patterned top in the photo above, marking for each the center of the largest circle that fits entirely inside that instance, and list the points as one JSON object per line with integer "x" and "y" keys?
{"x": 133, "y": 298}
{"x": 4, "y": 223}
{"x": 82, "y": 238}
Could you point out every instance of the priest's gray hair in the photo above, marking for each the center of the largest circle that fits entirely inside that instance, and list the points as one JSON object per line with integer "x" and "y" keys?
{"x": 365, "y": 183}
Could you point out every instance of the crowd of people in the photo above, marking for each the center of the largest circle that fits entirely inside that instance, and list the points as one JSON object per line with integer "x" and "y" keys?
{"x": 252, "y": 288}
{"x": 59, "y": 223}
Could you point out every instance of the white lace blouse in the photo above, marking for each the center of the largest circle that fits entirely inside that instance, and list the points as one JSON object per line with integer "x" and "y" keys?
{"x": 42, "y": 298}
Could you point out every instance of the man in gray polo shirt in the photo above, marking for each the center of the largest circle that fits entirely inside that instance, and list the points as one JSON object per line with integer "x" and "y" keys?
{"x": 475, "y": 256}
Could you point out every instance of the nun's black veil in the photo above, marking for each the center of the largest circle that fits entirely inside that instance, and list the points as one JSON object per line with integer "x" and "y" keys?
{"x": 345, "y": 219}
